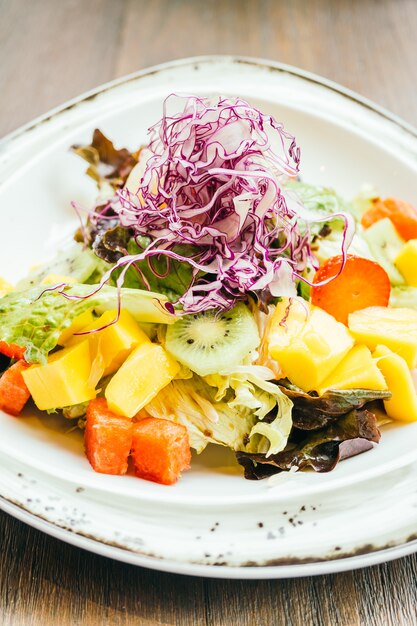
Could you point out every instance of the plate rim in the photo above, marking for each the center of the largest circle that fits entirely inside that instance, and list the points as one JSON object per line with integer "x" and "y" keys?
{"x": 261, "y": 62}
{"x": 239, "y": 572}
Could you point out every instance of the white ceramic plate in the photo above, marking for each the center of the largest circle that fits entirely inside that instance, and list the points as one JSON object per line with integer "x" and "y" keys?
{"x": 213, "y": 522}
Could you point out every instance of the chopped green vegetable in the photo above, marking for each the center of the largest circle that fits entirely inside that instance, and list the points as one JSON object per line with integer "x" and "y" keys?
{"x": 35, "y": 318}
{"x": 236, "y": 421}
{"x": 319, "y": 202}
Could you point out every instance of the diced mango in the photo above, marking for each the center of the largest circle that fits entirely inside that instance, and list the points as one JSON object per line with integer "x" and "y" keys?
{"x": 145, "y": 372}
{"x": 63, "y": 381}
{"x": 406, "y": 262}
{"x": 307, "y": 342}
{"x": 394, "y": 328}
{"x": 403, "y": 403}
{"x": 5, "y": 287}
{"x": 56, "y": 279}
{"x": 111, "y": 346}
{"x": 77, "y": 326}
{"x": 358, "y": 370}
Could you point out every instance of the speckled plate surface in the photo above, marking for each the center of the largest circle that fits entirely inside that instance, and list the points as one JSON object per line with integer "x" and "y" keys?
{"x": 213, "y": 522}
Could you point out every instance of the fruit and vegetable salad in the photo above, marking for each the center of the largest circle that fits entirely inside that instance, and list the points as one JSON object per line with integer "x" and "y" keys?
{"x": 212, "y": 296}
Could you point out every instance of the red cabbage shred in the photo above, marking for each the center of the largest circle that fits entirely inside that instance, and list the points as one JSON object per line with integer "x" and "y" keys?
{"x": 214, "y": 181}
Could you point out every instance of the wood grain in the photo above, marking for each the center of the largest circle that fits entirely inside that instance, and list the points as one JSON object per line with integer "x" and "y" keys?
{"x": 51, "y": 51}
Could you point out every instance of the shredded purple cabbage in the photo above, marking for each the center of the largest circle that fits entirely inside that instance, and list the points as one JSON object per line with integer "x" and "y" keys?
{"x": 213, "y": 181}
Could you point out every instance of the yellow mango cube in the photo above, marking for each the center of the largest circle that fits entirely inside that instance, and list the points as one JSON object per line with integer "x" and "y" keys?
{"x": 307, "y": 342}
{"x": 358, "y": 370}
{"x": 394, "y": 328}
{"x": 147, "y": 370}
{"x": 406, "y": 262}
{"x": 403, "y": 403}
{"x": 63, "y": 381}
{"x": 77, "y": 326}
{"x": 110, "y": 346}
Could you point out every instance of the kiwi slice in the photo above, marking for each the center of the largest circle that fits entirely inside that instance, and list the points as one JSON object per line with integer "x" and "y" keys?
{"x": 213, "y": 341}
{"x": 74, "y": 261}
{"x": 385, "y": 244}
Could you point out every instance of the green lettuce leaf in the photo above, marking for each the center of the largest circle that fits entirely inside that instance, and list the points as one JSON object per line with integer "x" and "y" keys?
{"x": 239, "y": 420}
{"x": 254, "y": 391}
{"x": 160, "y": 274}
{"x": 35, "y": 318}
{"x": 169, "y": 277}
{"x": 318, "y": 202}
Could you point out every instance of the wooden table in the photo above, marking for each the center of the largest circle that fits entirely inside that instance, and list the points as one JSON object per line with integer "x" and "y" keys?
{"x": 51, "y": 50}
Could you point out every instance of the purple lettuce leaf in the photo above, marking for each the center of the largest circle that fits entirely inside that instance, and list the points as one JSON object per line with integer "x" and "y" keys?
{"x": 349, "y": 435}
{"x": 312, "y": 412}
{"x": 106, "y": 163}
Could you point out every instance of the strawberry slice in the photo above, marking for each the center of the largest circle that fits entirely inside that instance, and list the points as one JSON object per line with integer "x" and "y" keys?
{"x": 361, "y": 283}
